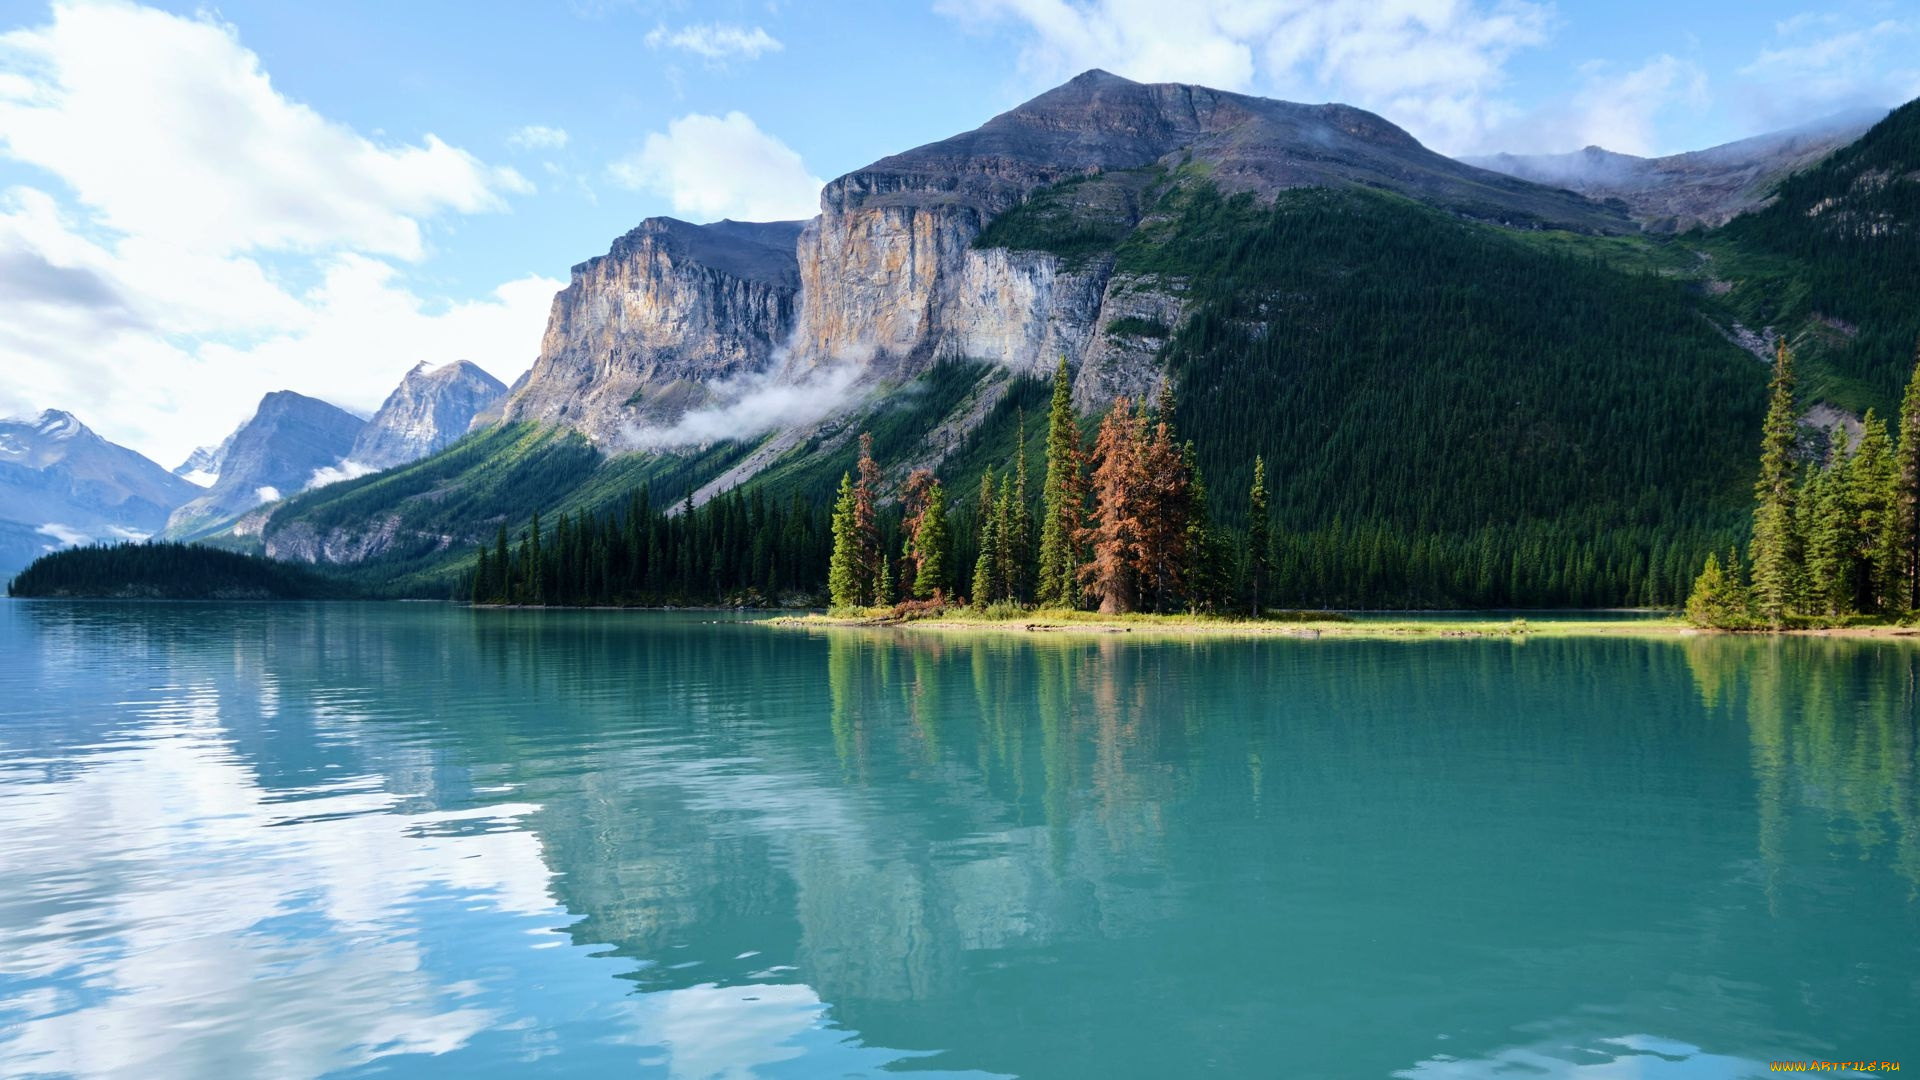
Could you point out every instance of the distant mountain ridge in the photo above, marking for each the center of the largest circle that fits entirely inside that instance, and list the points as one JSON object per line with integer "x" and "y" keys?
{"x": 1700, "y": 187}
{"x": 428, "y": 410}
{"x": 277, "y": 452}
{"x": 61, "y": 483}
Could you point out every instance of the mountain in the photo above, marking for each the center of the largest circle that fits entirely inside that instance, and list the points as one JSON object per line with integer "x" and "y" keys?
{"x": 642, "y": 332}
{"x": 1830, "y": 263}
{"x": 1702, "y": 187}
{"x": 202, "y": 467}
{"x": 425, "y": 413}
{"x": 289, "y": 439}
{"x": 61, "y": 484}
{"x": 1468, "y": 387}
{"x": 888, "y": 277}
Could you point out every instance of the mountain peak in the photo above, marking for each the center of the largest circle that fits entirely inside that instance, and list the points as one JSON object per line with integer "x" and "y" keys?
{"x": 58, "y": 424}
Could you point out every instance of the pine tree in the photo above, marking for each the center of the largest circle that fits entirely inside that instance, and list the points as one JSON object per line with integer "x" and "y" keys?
{"x": 501, "y": 587}
{"x": 1163, "y": 509}
{"x": 986, "y": 570}
{"x": 1832, "y": 548}
{"x": 1205, "y": 575}
{"x": 1259, "y": 558}
{"x": 1905, "y": 539}
{"x": 1113, "y": 536}
{"x": 930, "y": 545}
{"x": 866, "y": 493}
{"x": 536, "y": 565}
{"x": 1772, "y": 551}
{"x": 1871, "y": 485}
{"x": 843, "y": 570}
{"x": 1718, "y": 599}
{"x": 1062, "y": 501}
{"x": 482, "y": 576}
{"x": 1019, "y": 526}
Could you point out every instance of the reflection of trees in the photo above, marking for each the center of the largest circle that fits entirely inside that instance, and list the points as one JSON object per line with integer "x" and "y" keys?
{"x": 977, "y": 842}
{"x": 1832, "y": 727}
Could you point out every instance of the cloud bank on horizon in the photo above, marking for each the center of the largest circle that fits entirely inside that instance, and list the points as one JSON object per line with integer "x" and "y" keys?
{"x": 1441, "y": 68}
{"x": 212, "y": 240}
{"x": 180, "y": 233}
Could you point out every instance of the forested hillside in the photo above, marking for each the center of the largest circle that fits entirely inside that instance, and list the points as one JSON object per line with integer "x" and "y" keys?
{"x": 1452, "y": 410}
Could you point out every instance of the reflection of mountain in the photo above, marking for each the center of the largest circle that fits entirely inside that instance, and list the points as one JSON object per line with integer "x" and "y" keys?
{"x": 1055, "y": 856}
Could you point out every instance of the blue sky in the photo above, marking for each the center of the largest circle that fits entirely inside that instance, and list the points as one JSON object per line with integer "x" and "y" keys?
{"x": 199, "y": 204}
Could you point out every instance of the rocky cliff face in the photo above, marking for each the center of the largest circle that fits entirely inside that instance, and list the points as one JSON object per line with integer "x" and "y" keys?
{"x": 643, "y": 331}
{"x": 891, "y": 276}
{"x": 279, "y": 451}
{"x": 61, "y": 484}
{"x": 424, "y": 414}
{"x": 1702, "y": 187}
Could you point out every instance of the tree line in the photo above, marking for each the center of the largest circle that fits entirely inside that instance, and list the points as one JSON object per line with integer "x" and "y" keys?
{"x": 1835, "y": 537}
{"x": 1122, "y": 526}
{"x": 737, "y": 548}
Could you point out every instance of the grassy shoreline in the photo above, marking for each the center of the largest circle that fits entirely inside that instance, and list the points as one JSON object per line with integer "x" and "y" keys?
{"x": 1084, "y": 622}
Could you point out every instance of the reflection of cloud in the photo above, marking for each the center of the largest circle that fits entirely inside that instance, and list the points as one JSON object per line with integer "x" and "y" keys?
{"x": 187, "y": 925}
{"x": 1622, "y": 1058}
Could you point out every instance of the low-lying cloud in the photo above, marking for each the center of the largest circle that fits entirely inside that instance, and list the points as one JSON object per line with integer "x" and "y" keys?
{"x": 754, "y": 405}
{"x": 348, "y": 469}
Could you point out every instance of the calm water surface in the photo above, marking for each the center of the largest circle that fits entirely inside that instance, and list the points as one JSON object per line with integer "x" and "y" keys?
{"x": 297, "y": 841}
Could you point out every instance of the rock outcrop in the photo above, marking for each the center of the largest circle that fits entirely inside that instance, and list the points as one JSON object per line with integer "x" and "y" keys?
{"x": 642, "y": 332}
{"x": 290, "y": 442}
{"x": 62, "y": 484}
{"x": 428, "y": 411}
{"x": 890, "y": 274}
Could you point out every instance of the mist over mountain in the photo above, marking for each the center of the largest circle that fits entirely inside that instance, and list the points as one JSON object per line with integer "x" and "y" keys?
{"x": 1701, "y": 187}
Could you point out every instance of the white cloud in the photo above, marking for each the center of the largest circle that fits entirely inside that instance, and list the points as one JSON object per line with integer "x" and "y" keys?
{"x": 1826, "y": 62}
{"x": 753, "y": 405}
{"x": 1626, "y": 111}
{"x": 1435, "y": 66}
{"x": 167, "y": 128}
{"x": 159, "y": 302}
{"x": 712, "y": 167}
{"x": 715, "y": 41}
{"x": 538, "y": 137}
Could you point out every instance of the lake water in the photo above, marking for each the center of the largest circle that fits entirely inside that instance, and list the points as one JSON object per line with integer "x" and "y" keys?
{"x": 413, "y": 840}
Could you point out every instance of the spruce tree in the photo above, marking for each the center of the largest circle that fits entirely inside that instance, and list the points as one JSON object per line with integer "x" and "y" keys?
{"x": 1062, "y": 501}
{"x": 482, "y": 577}
{"x": 1772, "y": 551}
{"x": 986, "y": 569}
{"x": 843, "y": 570}
{"x": 1905, "y": 539}
{"x": 1718, "y": 599}
{"x": 1019, "y": 528}
{"x": 866, "y": 493}
{"x": 1112, "y": 537}
{"x": 1259, "y": 558}
{"x": 930, "y": 546}
{"x": 1871, "y": 482}
{"x": 1830, "y": 537}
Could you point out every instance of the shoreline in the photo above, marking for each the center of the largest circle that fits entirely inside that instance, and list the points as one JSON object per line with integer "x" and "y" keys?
{"x": 1200, "y": 627}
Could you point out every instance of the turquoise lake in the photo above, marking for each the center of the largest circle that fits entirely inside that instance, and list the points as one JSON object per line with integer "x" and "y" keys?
{"x": 412, "y": 840}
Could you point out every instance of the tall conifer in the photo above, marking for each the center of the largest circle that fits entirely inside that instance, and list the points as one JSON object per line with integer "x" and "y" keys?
{"x": 1063, "y": 501}
{"x": 1771, "y": 552}
{"x": 1906, "y": 499}
{"x": 1259, "y": 537}
{"x": 843, "y": 569}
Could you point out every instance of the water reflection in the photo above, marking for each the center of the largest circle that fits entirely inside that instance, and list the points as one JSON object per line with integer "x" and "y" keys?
{"x": 298, "y": 841}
